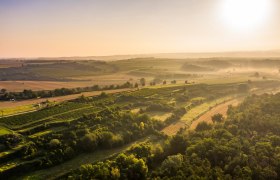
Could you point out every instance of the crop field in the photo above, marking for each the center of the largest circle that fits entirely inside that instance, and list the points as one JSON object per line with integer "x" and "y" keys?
{"x": 111, "y": 122}
{"x": 47, "y": 75}
{"x": 15, "y": 107}
{"x": 79, "y": 81}
{"x": 190, "y": 116}
{"x": 17, "y": 86}
{"x": 18, "y": 109}
{"x": 221, "y": 109}
{"x": 140, "y": 90}
{"x": 4, "y": 131}
{"x": 173, "y": 128}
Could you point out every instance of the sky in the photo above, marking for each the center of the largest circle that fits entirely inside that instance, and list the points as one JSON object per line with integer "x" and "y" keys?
{"x": 55, "y": 28}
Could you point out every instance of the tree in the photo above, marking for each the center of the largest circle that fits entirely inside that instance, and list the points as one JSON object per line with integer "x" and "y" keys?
{"x": 54, "y": 143}
{"x": 164, "y": 82}
{"x": 136, "y": 85}
{"x": 131, "y": 167}
{"x": 103, "y": 95}
{"x": 217, "y": 118}
{"x": 89, "y": 142}
{"x": 203, "y": 126}
{"x": 257, "y": 74}
{"x": 143, "y": 81}
{"x": 115, "y": 173}
{"x": 152, "y": 83}
{"x": 172, "y": 164}
{"x": 142, "y": 150}
{"x": 142, "y": 126}
{"x": 3, "y": 91}
{"x": 178, "y": 144}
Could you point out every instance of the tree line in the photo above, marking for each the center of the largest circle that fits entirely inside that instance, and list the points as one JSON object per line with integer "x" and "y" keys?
{"x": 29, "y": 94}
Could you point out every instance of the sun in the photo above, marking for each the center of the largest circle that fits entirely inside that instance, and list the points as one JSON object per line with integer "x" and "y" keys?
{"x": 245, "y": 15}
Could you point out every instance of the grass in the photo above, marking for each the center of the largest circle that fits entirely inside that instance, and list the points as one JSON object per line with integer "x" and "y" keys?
{"x": 42, "y": 133}
{"x": 17, "y": 110}
{"x": 4, "y": 131}
{"x": 40, "y": 116}
{"x": 7, "y": 166}
{"x": 198, "y": 99}
{"x": 161, "y": 116}
{"x": 192, "y": 115}
{"x": 201, "y": 109}
{"x": 225, "y": 80}
{"x": 136, "y": 110}
{"x": 165, "y": 85}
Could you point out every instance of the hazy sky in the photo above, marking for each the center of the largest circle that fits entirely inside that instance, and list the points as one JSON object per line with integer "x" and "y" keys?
{"x": 36, "y": 28}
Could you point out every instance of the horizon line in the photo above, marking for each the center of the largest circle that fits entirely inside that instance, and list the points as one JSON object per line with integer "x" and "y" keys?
{"x": 147, "y": 54}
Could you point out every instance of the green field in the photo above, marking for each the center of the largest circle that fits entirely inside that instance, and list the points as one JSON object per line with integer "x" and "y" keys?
{"x": 201, "y": 109}
{"x": 68, "y": 134}
{"x": 17, "y": 109}
{"x": 4, "y": 131}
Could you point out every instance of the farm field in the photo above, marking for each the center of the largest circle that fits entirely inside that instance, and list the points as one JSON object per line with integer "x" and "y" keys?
{"x": 109, "y": 122}
{"x": 4, "y": 131}
{"x": 9, "y": 111}
{"x": 221, "y": 109}
{"x": 15, "y": 107}
{"x": 190, "y": 116}
{"x": 140, "y": 90}
{"x": 48, "y": 74}
{"x": 46, "y": 124}
{"x": 56, "y": 138}
{"x": 83, "y": 81}
{"x": 17, "y": 86}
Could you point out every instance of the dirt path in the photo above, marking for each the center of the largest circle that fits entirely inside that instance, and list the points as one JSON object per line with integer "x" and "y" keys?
{"x": 173, "y": 128}
{"x": 222, "y": 109}
{"x": 9, "y": 104}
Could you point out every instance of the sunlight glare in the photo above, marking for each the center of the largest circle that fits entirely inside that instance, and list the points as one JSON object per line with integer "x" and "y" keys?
{"x": 245, "y": 15}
